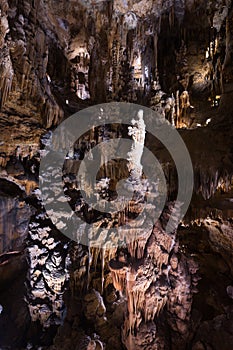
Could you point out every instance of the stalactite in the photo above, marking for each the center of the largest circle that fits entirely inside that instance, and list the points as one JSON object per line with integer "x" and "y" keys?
{"x": 171, "y": 17}
{"x": 5, "y": 88}
{"x": 156, "y": 53}
{"x": 227, "y": 64}
{"x": 177, "y": 109}
{"x": 208, "y": 182}
{"x": 102, "y": 269}
{"x": 7, "y": 74}
{"x": 6, "y": 70}
{"x": 136, "y": 246}
{"x": 52, "y": 113}
{"x": 3, "y": 161}
{"x": 118, "y": 276}
{"x": 95, "y": 252}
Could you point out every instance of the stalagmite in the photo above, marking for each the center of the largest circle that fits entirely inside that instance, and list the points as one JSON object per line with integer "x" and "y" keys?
{"x": 185, "y": 104}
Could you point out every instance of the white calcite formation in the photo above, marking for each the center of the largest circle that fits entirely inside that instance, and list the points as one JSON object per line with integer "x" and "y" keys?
{"x": 131, "y": 198}
{"x": 47, "y": 275}
{"x": 138, "y": 133}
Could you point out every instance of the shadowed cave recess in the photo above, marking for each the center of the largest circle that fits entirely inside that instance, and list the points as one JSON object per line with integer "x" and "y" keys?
{"x": 162, "y": 291}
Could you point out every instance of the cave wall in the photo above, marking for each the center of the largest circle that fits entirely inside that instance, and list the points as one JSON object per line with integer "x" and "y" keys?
{"x": 118, "y": 46}
{"x": 57, "y": 57}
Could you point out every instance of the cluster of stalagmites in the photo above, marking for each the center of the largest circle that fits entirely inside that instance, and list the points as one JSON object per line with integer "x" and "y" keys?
{"x": 48, "y": 273}
{"x": 151, "y": 280}
{"x": 72, "y": 189}
{"x": 159, "y": 284}
{"x": 157, "y": 279}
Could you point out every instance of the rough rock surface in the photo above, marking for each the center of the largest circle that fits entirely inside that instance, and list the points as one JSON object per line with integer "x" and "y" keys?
{"x": 165, "y": 291}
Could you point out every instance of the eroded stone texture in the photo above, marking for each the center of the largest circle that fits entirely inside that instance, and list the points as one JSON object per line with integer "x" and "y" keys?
{"x": 174, "y": 56}
{"x": 150, "y": 283}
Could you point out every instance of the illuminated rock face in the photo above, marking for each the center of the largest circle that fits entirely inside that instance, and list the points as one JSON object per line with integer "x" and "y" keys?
{"x": 14, "y": 219}
{"x": 138, "y": 133}
{"x": 57, "y": 57}
{"x": 91, "y": 57}
{"x": 48, "y": 274}
{"x": 26, "y": 60}
{"x": 159, "y": 278}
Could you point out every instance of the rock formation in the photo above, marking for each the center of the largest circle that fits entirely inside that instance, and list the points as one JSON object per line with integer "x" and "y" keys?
{"x": 158, "y": 291}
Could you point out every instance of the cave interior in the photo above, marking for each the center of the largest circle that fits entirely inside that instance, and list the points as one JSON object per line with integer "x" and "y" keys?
{"x": 162, "y": 290}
